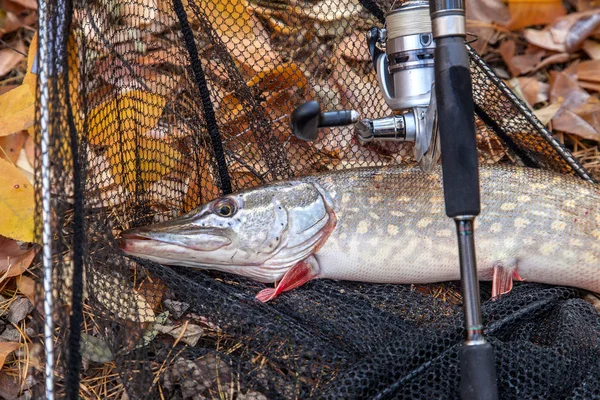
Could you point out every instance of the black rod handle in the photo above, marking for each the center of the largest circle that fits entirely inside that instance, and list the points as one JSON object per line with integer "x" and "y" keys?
{"x": 457, "y": 127}
{"x": 478, "y": 373}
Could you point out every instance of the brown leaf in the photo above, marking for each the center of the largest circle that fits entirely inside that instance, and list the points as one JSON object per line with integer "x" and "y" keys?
{"x": 487, "y": 11}
{"x": 528, "y": 13}
{"x": 7, "y": 88}
{"x": 187, "y": 333}
{"x": 138, "y": 12}
{"x": 10, "y": 386}
{"x": 26, "y": 285}
{"x": 546, "y": 114}
{"x": 354, "y": 47}
{"x": 5, "y": 349}
{"x": 11, "y": 254}
{"x": 19, "y": 309}
{"x": 12, "y": 145}
{"x": 566, "y": 34}
{"x": 10, "y": 58}
{"x": 153, "y": 291}
{"x": 16, "y": 265}
{"x": 15, "y": 20}
{"x": 589, "y": 71}
{"x": 592, "y": 48}
{"x": 590, "y": 85}
{"x": 533, "y": 90}
{"x": 521, "y": 64}
{"x": 580, "y": 112}
{"x": 553, "y": 59}
{"x": 31, "y": 4}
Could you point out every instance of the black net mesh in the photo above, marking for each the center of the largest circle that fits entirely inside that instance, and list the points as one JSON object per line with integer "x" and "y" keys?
{"x": 157, "y": 107}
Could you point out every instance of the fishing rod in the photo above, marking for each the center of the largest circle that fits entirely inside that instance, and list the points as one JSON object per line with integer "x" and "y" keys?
{"x": 422, "y": 66}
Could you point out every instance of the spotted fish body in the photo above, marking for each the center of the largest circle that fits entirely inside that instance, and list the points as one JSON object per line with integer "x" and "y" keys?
{"x": 388, "y": 225}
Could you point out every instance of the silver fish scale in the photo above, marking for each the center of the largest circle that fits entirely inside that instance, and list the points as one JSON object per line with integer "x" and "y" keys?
{"x": 392, "y": 227}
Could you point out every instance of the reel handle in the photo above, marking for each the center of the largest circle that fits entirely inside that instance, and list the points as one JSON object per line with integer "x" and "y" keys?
{"x": 307, "y": 118}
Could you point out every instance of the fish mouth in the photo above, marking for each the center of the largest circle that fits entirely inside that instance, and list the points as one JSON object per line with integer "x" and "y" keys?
{"x": 162, "y": 251}
{"x": 127, "y": 239}
{"x": 203, "y": 240}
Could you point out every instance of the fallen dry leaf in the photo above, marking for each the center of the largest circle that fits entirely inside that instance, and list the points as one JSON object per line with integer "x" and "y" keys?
{"x": 580, "y": 112}
{"x": 242, "y": 33}
{"x": 19, "y": 309}
{"x": 31, "y": 4}
{"x": 10, "y": 386}
{"x": 16, "y": 203}
{"x": 278, "y": 78}
{"x": 553, "y": 59}
{"x": 589, "y": 71}
{"x": 30, "y": 150}
{"x": 566, "y": 34}
{"x": 95, "y": 349}
{"x": 590, "y": 85}
{"x": 138, "y": 13}
{"x": 125, "y": 117}
{"x": 487, "y": 11}
{"x": 26, "y": 285}
{"x": 520, "y": 64}
{"x": 11, "y": 146}
{"x": 592, "y": 48}
{"x": 354, "y": 47}
{"x": 528, "y": 13}
{"x": 17, "y": 110}
{"x": 118, "y": 297}
{"x": 187, "y": 333}
{"x": 13, "y": 260}
{"x": 15, "y": 20}
{"x": 546, "y": 114}
{"x": 153, "y": 291}
{"x": 533, "y": 90}
{"x": 140, "y": 161}
{"x": 5, "y": 349}
{"x": 11, "y": 57}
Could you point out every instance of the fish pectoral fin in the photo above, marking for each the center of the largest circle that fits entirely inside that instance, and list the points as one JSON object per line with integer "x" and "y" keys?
{"x": 502, "y": 281}
{"x": 298, "y": 275}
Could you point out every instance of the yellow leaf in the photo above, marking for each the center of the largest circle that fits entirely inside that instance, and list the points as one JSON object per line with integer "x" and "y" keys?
{"x": 31, "y": 78}
{"x": 5, "y": 349}
{"x": 281, "y": 77}
{"x": 16, "y": 203}
{"x": 145, "y": 160}
{"x": 17, "y": 110}
{"x": 241, "y": 32}
{"x": 125, "y": 117}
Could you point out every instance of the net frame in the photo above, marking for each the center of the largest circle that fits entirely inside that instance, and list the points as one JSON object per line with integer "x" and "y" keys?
{"x": 54, "y": 42}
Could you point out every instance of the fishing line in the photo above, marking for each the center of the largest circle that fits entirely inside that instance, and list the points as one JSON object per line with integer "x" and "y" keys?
{"x": 408, "y": 22}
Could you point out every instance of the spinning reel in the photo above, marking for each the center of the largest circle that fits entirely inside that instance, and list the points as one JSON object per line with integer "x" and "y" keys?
{"x": 403, "y": 58}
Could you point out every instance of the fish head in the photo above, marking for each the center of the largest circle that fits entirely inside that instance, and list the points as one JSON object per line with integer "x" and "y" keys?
{"x": 259, "y": 233}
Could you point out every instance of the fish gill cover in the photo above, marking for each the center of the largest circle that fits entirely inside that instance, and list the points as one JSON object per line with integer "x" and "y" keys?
{"x": 173, "y": 103}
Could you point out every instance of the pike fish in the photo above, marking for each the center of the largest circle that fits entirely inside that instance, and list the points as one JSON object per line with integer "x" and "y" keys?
{"x": 387, "y": 225}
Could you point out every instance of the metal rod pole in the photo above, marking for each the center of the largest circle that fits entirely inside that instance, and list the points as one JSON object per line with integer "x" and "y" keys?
{"x": 469, "y": 281}
{"x": 44, "y": 62}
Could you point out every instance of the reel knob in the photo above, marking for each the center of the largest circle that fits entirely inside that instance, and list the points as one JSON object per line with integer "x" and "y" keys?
{"x": 307, "y": 118}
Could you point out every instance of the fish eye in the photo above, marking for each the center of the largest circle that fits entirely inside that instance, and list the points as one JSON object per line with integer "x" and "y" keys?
{"x": 225, "y": 208}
